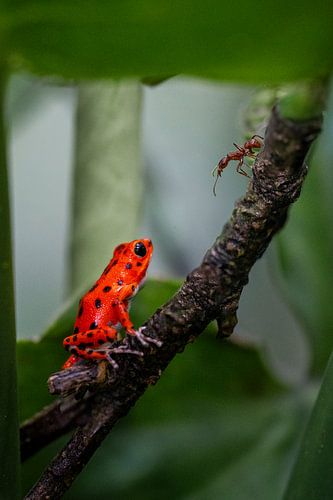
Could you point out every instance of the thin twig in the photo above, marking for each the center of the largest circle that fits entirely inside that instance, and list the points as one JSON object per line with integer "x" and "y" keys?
{"x": 49, "y": 424}
{"x": 210, "y": 291}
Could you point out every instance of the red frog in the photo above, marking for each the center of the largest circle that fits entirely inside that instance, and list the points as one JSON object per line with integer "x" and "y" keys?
{"x": 105, "y": 307}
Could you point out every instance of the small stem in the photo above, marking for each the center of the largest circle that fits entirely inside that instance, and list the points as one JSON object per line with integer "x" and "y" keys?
{"x": 302, "y": 100}
{"x": 9, "y": 436}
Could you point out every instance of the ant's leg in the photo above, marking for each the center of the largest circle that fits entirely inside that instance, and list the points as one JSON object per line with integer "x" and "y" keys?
{"x": 238, "y": 147}
{"x": 240, "y": 169}
{"x": 256, "y": 135}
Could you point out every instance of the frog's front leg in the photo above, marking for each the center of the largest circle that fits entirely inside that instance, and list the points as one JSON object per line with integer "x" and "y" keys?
{"x": 122, "y": 315}
{"x": 125, "y": 321}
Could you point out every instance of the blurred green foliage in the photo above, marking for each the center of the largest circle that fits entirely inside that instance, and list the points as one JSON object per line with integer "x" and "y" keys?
{"x": 311, "y": 476}
{"x": 237, "y": 42}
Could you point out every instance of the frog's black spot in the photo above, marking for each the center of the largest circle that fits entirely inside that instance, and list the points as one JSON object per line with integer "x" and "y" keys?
{"x": 90, "y": 335}
{"x": 106, "y": 289}
{"x": 114, "y": 263}
{"x": 98, "y": 303}
{"x": 76, "y": 330}
{"x": 133, "y": 288}
{"x": 138, "y": 264}
{"x": 93, "y": 325}
{"x": 80, "y": 311}
{"x": 101, "y": 352}
{"x": 128, "y": 265}
{"x": 100, "y": 341}
{"x": 67, "y": 339}
{"x": 74, "y": 338}
{"x": 82, "y": 347}
{"x": 90, "y": 351}
{"x": 110, "y": 339}
{"x": 89, "y": 344}
{"x": 120, "y": 282}
{"x": 73, "y": 350}
{"x": 93, "y": 287}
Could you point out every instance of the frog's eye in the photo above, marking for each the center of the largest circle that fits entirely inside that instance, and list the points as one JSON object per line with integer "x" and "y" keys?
{"x": 140, "y": 249}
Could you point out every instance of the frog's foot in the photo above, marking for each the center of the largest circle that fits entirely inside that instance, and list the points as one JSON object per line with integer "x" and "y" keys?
{"x": 105, "y": 352}
{"x": 109, "y": 351}
{"x": 142, "y": 338}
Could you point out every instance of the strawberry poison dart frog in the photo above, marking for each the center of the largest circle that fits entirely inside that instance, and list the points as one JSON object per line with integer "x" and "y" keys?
{"x": 104, "y": 308}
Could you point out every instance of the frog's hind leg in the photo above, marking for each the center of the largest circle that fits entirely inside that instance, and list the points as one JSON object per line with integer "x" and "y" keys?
{"x": 91, "y": 338}
{"x": 78, "y": 343}
{"x": 96, "y": 345}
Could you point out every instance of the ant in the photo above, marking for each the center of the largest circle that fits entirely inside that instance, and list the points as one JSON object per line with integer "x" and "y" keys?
{"x": 239, "y": 155}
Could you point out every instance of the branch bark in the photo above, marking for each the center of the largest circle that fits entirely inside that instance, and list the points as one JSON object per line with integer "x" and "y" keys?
{"x": 211, "y": 291}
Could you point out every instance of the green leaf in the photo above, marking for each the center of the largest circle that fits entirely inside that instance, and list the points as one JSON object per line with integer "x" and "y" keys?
{"x": 219, "y": 39}
{"x": 9, "y": 450}
{"x": 312, "y": 476}
{"x": 37, "y": 359}
{"x": 305, "y": 249}
{"x": 36, "y": 362}
{"x": 108, "y": 179}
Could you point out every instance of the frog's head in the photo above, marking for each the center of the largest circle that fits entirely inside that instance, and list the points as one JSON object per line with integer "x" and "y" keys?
{"x": 136, "y": 255}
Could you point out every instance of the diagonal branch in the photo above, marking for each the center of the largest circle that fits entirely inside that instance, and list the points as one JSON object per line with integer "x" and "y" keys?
{"x": 210, "y": 291}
